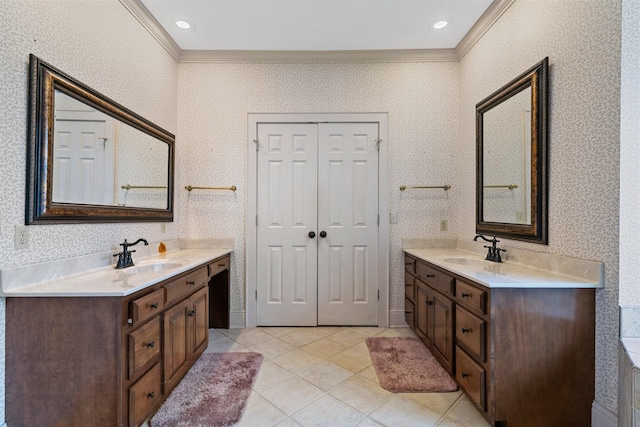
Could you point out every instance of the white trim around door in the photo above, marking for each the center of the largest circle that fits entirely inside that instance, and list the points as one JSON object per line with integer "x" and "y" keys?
{"x": 253, "y": 120}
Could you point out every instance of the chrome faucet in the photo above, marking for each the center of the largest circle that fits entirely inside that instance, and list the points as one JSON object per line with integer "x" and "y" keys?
{"x": 493, "y": 253}
{"x": 124, "y": 257}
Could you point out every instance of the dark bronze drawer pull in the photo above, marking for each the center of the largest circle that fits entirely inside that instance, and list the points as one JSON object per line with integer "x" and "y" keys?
{"x": 430, "y": 276}
{"x": 465, "y": 375}
{"x": 466, "y": 331}
{"x": 151, "y": 344}
{"x": 151, "y": 395}
{"x": 191, "y": 282}
{"x": 465, "y": 295}
{"x": 191, "y": 313}
{"x": 154, "y": 305}
{"x": 222, "y": 265}
{"x": 429, "y": 302}
{"x": 408, "y": 312}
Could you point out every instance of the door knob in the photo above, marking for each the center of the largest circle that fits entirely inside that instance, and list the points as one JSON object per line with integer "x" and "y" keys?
{"x": 323, "y": 234}
{"x": 312, "y": 234}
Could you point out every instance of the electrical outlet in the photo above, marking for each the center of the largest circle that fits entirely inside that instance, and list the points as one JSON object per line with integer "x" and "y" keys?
{"x": 393, "y": 218}
{"x": 21, "y": 237}
{"x": 443, "y": 225}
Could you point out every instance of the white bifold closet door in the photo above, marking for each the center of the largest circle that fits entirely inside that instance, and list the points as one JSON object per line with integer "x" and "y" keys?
{"x": 317, "y": 222}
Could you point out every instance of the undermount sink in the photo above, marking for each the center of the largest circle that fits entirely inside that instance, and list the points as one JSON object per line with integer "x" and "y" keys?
{"x": 152, "y": 267}
{"x": 464, "y": 260}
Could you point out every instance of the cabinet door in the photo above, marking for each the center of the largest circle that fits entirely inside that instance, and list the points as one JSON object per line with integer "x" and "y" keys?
{"x": 199, "y": 328}
{"x": 176, "y": 343}
{"x": 423, "y": 317}
{"x": 442, "y": 339}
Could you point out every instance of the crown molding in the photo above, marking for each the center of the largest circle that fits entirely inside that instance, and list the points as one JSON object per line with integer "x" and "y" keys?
{"x": 488, "y": 18}
{"x": 142, "y": 14}
{"x": 313, "y": 57}
{"x": 486, "y": 21}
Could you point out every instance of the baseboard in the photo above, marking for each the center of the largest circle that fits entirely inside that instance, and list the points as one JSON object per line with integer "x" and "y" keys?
{"x": 396, "y": 319}
{"x": 236, "y": 319}
{"x": 602, "y": 417}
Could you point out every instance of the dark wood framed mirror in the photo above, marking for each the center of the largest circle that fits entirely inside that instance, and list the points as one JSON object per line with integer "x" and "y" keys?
{"x": 89, "y": 159}
{"x": 512, "y": 158}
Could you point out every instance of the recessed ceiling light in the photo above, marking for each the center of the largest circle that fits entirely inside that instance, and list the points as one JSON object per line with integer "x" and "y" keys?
{"x": 438, "y": 25}
{"x": 185, "y": 25}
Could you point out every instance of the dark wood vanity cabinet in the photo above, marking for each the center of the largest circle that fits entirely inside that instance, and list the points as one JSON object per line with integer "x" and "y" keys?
{"x": 103, "y": 361}
{"x": 433, "y": 309}
{"x": 524, "y": 356}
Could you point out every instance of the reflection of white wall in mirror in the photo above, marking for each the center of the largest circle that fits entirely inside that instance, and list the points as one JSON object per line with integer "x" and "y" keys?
{"x": 506, "y": 148}
{"x": 83, "y": 154}
{"x": 141, "y": 162}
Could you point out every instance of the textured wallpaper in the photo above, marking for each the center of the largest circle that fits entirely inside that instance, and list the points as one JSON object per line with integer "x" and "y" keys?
{"x": 102, "y": 45}
{"x": 582, "y": 40}
{"x": 213, "y": 103}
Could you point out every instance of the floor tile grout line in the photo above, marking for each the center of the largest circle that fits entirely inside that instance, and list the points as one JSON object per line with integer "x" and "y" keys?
{"x": 449, "y": 410}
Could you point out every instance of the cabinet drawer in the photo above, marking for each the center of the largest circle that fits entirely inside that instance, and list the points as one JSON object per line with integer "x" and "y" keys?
{"x": 409, "y": 312}
{"x": 186, "y": 284}
{"x": 409, "y": 286}
{"x": 435, "y": 278}
{"x": 471, "y": 378}
{"x": 147, "y": 306}
{"x": 144, "y": 345}
{"x": 409, "y": 264}
{"x": 144, "y": 395}
{"x": 471, "y": 296}
{"x": 218, "y": 266}
{"x": 471, "y": 333}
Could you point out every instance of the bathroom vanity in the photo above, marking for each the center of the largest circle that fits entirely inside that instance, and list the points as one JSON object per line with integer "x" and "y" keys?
{"x": 519, "y": 341}
{"x": 106, "y": 348}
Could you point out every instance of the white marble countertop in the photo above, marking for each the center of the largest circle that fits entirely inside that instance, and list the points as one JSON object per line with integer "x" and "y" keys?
{"x": 506, "y": 274}
{"x": 632, "y": 346}
{"x": 107, "y": 281}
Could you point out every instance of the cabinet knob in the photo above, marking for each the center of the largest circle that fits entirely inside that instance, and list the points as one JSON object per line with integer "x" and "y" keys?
{"x": 154, "y": 305}
{"x": 312, "y": 234}
{"x": 466, "y": 331}
{"x": 151, "y": 344}
{"x": 323, "y": 234}
{"x": 465, "y": 295}
{"x": 151, "y": 395}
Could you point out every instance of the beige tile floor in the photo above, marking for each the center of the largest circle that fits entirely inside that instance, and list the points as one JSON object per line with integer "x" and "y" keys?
{"x": 323, "y": 377}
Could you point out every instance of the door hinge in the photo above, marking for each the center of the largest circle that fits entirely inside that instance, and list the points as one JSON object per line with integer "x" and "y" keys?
{"x": 378, "y": 141}
{"x": 378, "y": 294}
{"x": 256, "y": 220}
{"x": 257, "y": 142}
{"x": 378, "y": 219}
{"x": 256, "y": 295}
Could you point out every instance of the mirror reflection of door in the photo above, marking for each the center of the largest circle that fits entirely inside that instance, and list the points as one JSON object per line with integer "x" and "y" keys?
{"x": 507, "y": 161}
{"x": 83, "y": 154}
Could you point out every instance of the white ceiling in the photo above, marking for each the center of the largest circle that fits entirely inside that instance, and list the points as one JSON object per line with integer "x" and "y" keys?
{"x": 316, "y": 25}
